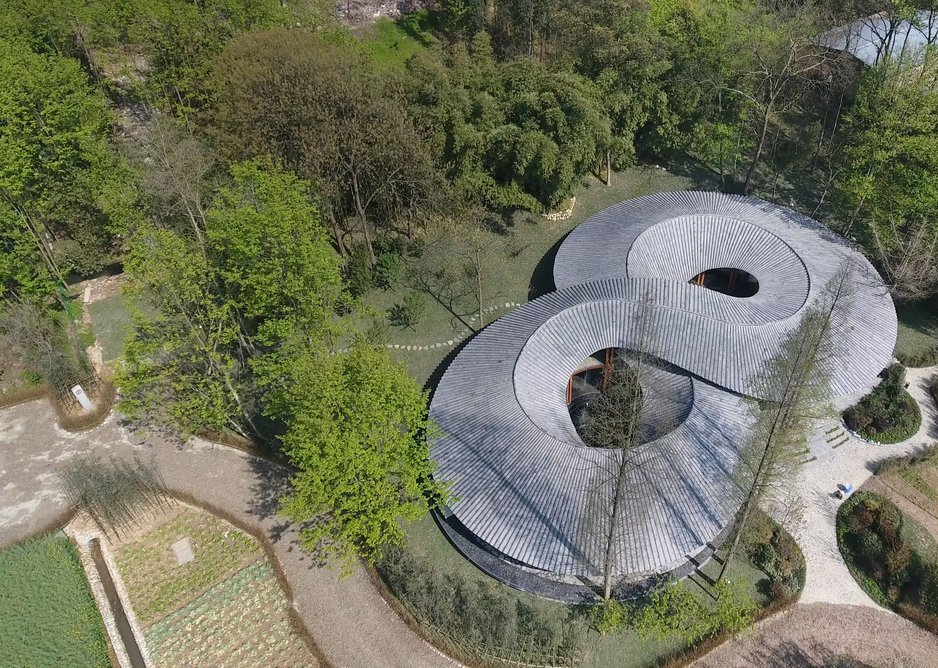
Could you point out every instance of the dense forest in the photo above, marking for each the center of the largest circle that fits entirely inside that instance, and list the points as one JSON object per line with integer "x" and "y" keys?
{"x": 256, "y": 166}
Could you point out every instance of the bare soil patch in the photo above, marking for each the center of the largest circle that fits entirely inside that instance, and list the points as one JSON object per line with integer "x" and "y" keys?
{"x": 821, "y": 634}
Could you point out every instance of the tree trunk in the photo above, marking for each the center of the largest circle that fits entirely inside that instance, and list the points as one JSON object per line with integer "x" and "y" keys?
{"x": 747, "y": 186}
{"x": 363, "y": 218}
{"x": 479, "y": 287}
{"x": 489, "y": 15}
{"x": 608, "y": 168}
{"x": 337, "y": 235}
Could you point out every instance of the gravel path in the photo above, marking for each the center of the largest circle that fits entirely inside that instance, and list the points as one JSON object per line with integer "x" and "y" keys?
{"x": 828, "y": 580}
{"x": 349, "y": 621}
{"x": 831, "y": 636}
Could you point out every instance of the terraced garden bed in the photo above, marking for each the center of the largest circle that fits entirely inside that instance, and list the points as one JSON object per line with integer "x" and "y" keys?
{"x": 225, "y": 607}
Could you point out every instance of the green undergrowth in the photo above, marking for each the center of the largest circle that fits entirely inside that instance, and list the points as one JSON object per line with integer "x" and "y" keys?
{"x": 888, "y": 414}
{"x": 917, "y": 341}
{"x": 891, "y": 556}
{"x": 441, "y": 588}
{"x": 110, "y": 322}
{"x": 47, "y": 613}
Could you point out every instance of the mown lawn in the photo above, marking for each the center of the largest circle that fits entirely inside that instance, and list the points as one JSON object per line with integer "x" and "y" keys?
{"x": 917, "y": 344}
{"x": 110, "y": 322}
{"x": 519, "y": 267}
{"x": 392, "y": 43}
{"x": 47, "y": 613}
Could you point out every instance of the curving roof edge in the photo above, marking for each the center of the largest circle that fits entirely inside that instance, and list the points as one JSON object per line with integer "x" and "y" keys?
{"x": 523, "y": 481}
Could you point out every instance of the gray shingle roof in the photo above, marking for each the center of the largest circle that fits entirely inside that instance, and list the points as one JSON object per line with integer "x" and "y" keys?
{"x": 523, "y": 481}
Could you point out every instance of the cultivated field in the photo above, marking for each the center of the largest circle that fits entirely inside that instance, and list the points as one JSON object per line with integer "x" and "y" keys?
{"x": 223, "y": 608}
{"x": 47, "y": 613}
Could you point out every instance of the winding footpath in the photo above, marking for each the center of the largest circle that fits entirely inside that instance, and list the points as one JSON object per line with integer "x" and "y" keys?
{"x": 347, "y": 618}
{"x": 828, "y": 579}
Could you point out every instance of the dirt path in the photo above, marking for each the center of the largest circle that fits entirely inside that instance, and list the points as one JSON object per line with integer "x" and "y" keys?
{"x": 348, "y": 620}
{"x": 829, "y": 636}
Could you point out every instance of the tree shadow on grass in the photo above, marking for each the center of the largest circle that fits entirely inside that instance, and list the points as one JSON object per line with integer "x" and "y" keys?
{"x": 542, "y": 280}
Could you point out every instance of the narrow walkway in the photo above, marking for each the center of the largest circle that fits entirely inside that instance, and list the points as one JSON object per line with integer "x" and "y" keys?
{"x": 853, "y": 461}
{"x": 349, "y": 621}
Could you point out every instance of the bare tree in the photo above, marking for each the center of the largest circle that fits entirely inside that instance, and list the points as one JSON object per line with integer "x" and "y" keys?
{"x": 910, "y": 261}
{"x": 45, "y": 346}
{"x": 784, "y": 64}
{"x": 614, "y": 421}
{"x": 794, "y": 390}
{"x": 178, "y": 168}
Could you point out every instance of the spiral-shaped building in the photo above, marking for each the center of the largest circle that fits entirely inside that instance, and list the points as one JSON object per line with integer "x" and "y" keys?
{"x": 527, "y": 490}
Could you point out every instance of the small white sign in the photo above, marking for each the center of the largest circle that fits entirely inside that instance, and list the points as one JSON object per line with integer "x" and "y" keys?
{"x": 182, "y": 550}
{"x": 82, "y": 397}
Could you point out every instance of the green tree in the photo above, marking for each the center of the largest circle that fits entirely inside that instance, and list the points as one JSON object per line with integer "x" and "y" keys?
{"x": 358, "y": 437}
{"x": 889, "y": 187}
{"x": 217, "y": 327}
{"x": 795, "y": 389}
{"x": 60, "y": 183}
{"x": 321, "y": 109}
{"x": 508, "y": 135}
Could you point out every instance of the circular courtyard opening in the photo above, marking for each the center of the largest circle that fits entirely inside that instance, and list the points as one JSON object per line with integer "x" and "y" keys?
{"x": 728, "y": 281}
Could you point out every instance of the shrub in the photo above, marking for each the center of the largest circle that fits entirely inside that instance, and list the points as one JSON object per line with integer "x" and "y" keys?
{"x": 608, "y": 617}
{"x": 927, "y": 357}
{"x": 671, "y": 610}
{"x": 409, "y": 312}
{"x": 888, "y": 414}
{"x": 772, "y": 550}
{"x": 358, "y": 273}
{"x": 933, "y": 387}
{"x": 472, "y": 612}
{"x": 387, "y": 270}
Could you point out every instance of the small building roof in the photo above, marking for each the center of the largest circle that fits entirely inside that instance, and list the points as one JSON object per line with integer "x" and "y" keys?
{"x": 872, "y": 38}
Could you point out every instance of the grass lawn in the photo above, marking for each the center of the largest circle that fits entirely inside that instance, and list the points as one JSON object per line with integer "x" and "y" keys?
{"x": 225, "y": 607}
{"x": 392, "y": 43}
{"x": 110, "y": 321}
{"x": 520, "y": 266}
{"x": 918, "y": 333}
{"x": 617, "y": 650}
{"x": 47, "y": 613}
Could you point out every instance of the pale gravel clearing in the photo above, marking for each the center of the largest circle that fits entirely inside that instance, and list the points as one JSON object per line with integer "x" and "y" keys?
{"x": 828, "y": 580}
{"x": 831, "y": 636}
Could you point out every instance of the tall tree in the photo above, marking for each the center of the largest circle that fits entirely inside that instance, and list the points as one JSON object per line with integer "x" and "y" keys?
{"x": 60, "y": 183}
{"x": 508, "y": 135}
{"x": 784, "y": 63}
{"x": 795, "y": 385}
{"x": 178, "y": 170}
{"x": 615, "y": 421}
{"x": 889, "y": 187}
{"x": 211, "y": 344}
{"x": 319, "y": 108}
{"x": 358, "y": 437}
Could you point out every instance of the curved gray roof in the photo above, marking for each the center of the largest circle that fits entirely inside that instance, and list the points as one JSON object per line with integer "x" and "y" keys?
{"x": 524, "y": 482}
